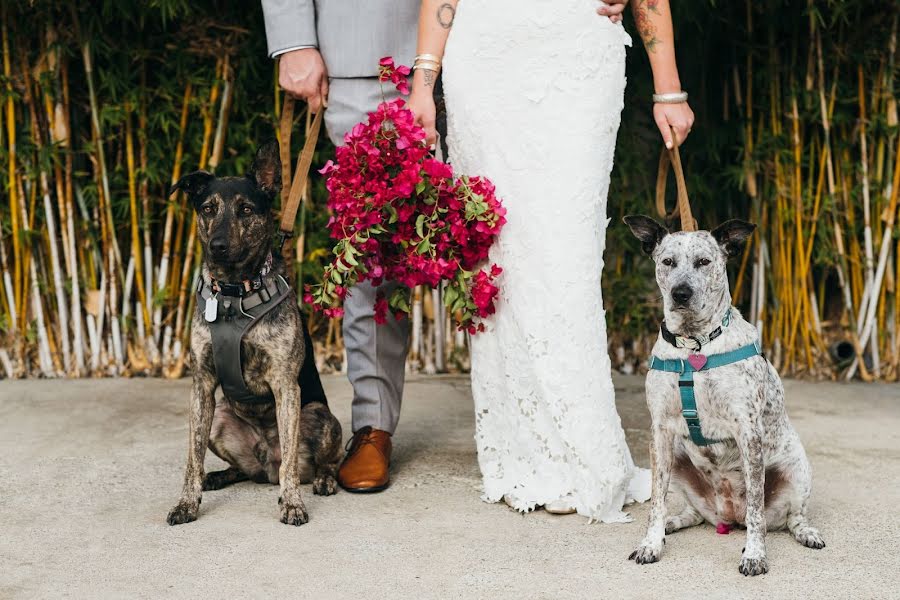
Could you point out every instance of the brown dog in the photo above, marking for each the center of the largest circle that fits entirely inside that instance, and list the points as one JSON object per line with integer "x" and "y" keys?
{"x": 248, "y": 337}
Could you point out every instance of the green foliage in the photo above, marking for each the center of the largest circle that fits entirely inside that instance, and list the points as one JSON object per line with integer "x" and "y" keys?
{"x": 144, "y": 53}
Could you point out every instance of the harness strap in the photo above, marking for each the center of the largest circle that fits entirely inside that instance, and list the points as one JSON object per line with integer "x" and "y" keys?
{"x": 236, "y": 315}
{"x": 686, "y": 371}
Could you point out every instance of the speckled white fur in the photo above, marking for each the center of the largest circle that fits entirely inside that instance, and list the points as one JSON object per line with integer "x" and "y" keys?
{"x": 741, "y": 403}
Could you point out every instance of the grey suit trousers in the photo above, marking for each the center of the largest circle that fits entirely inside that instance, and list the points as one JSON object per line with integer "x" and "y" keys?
{"x": 376, "y": 354}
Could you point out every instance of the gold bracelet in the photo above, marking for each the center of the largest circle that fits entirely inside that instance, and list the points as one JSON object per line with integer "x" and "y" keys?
{"x": 429, "y": 58}
{"x": 427, "y": 66}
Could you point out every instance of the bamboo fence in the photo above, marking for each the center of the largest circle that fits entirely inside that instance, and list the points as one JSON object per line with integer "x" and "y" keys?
{"x": 104, "y": 106}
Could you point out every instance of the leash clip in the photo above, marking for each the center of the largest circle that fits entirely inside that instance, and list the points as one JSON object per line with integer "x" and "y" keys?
{"x": 283, "y": 237}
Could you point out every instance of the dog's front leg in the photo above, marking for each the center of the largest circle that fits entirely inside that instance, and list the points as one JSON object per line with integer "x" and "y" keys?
{"x": 661, "y": 457}
{"x": 203, "y": 405}
{"x": 287, "y": 405}
{"x": 750, "y": 441}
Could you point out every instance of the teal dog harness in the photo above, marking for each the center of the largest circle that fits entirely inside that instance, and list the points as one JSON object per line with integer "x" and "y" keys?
{"x": 698, "y": 362}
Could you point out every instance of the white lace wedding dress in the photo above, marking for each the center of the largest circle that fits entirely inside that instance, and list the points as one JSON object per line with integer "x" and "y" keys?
{"x": 534, "y": 92}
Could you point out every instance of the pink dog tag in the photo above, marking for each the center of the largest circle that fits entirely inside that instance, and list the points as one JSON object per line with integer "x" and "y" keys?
{"x": 697, "y": 361}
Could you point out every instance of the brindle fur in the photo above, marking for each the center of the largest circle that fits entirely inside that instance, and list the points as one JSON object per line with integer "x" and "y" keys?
{"x": 759, "y": 477}
{"x": 274, "y": 442}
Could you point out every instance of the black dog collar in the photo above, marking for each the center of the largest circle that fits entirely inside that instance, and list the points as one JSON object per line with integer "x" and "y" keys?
{"x": 245, "y": 287}
{"x": 695, "y": 343}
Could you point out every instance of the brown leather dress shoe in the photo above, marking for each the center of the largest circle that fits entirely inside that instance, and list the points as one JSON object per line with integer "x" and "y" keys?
{"x": 366, "y": 468}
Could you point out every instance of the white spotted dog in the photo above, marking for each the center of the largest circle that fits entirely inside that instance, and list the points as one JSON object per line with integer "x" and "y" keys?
{"x": 720, "y": 430}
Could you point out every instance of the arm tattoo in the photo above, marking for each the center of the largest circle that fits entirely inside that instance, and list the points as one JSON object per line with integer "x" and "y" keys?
{"x": 646, "y": 28}
{"x": 429, "y": 78}
{"x": 445, "y": 15}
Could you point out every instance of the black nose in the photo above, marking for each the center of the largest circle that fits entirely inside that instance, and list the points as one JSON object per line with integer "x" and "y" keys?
{"x": 218, "y": 246}
{"x": 681, "y": 294}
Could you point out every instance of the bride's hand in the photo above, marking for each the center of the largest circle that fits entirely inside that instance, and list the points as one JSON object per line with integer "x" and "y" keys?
{"x": 421, "y": 103}
{"x": 612, "y": 9}
{"x": 678, "y": 116}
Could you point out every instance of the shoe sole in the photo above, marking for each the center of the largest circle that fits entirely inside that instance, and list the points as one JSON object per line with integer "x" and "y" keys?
{"x": 366, "y": 490}
{"x": 558, "y": 512}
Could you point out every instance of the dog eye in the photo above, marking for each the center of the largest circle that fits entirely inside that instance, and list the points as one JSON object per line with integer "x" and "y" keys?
{"x": 668, "y": 262}
{"x": 209, "y": 209}
{"x": 702, "y": 262}
{"x": 246, "y": 210}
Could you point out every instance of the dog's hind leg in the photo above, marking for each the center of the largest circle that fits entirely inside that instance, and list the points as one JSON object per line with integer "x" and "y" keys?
{"x": 237, "y": 443}
{"x": 220, "y": 479}
{"x": 689, "y": 517}
{"x": 799, "y": 526}
{"x": 323, "y": 434}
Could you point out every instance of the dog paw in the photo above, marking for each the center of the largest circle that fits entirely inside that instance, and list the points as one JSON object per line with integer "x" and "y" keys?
{"x": 293, "y": 514}
{"x": 184, "y": 512}
{"x": 216, "y": 481}
{"x": 673, "y": 524}
{"x": 810, "y": 537}
{"x": 753, "y": 566}
{"x": 645, "y": 554}
{"x": 325, "y": 485}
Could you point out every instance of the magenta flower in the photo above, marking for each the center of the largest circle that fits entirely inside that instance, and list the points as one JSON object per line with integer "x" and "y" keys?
{"x": 398, "y": 214}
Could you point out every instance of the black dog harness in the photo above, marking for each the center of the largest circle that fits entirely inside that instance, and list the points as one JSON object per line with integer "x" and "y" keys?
{"x": 230, "y": 311}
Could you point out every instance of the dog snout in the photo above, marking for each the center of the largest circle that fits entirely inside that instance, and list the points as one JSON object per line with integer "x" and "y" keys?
{"x": 681, "y": 294}
{"x": 218, "y": 246}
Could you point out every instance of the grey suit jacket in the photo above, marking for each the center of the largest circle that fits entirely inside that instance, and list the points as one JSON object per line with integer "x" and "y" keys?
{"x": 352, "y": 35}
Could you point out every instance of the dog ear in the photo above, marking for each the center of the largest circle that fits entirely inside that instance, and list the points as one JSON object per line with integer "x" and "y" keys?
{"x": 647, "y": 230}
{"x": 732, "y": 234}
{"x": 265, "y": 171}
{"x": 193, "y": 184}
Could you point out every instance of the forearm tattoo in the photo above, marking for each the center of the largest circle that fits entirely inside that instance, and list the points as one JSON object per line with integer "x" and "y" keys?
{"x": 642, "y": 10}
{"x": 445, "y": 15}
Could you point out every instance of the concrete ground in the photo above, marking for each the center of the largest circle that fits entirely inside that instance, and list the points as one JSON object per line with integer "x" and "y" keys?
{"x": 89, "y": 469}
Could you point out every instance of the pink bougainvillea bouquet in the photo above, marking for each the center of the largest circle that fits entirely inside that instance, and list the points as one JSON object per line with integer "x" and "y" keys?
{"x": 400, "y": 215}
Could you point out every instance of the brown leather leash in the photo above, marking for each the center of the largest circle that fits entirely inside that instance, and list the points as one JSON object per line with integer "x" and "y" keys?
{"x": 682, "y": 210}
{"x": 293, "y": 189}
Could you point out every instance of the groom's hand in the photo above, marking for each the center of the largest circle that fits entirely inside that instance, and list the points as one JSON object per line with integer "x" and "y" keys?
{"x": 302, "y": 74}
{"x": 612, "y": 9}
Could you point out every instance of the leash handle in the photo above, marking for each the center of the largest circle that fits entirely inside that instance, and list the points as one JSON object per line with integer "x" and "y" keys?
{"x": 682, "y": 210}
{"x": 292, "y": 188}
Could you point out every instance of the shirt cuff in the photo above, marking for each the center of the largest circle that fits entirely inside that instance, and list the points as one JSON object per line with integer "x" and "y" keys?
{"x": 278, "y": 53}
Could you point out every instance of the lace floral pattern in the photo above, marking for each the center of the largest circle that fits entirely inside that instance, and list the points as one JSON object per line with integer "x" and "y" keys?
{"x": 534, "y": 92}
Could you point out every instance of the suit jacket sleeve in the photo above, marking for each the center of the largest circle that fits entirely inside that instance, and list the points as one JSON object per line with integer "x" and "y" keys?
{"x": 289, "y": 24}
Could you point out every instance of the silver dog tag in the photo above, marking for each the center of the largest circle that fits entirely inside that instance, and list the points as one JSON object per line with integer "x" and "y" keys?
{"x": 212, "y": 309}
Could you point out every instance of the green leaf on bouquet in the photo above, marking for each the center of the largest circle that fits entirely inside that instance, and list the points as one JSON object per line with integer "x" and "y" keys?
{"x": 450, "y": 295}
{"x": 399, "y": 299}
{"x": 420, "y": 187}
{"x": 423, "y": 247}
{"x": 391, "y": 220}
{"x": 420, "y": 226}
